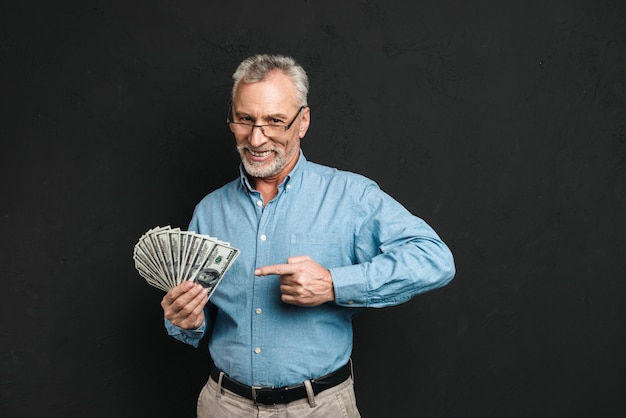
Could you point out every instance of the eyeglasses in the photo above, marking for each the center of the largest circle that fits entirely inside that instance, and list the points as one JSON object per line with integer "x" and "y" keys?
{"x": 270, "y": 130}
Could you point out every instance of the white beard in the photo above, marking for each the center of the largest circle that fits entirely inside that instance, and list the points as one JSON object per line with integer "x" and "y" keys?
{"x": 263, "y": 170}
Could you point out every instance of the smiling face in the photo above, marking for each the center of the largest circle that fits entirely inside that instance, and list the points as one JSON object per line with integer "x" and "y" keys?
{"x": 269, "y": 102}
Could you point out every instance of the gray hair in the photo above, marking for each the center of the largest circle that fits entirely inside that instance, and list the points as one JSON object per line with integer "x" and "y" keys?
{"x": 257, "y": 67}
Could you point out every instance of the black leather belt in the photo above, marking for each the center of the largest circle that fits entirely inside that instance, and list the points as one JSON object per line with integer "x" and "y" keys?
{"x": 265, "y": 395}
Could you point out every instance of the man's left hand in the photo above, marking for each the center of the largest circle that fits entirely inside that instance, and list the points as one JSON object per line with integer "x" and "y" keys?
{"x": 303, "y": 281}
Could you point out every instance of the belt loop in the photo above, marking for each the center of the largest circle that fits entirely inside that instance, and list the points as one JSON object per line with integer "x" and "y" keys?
{"x": 219, "y": 386}
{"x": 309, "y": 393}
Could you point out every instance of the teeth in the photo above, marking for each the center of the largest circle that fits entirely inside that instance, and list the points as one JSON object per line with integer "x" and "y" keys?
{"x": 259, "y": 153}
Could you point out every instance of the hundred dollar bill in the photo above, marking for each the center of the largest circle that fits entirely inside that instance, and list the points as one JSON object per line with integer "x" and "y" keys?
{"x": 163, "y": 244}
{"x": 166, "y": 256}
{"x": 210, "y": 273}
{"x": 146, "y": 257}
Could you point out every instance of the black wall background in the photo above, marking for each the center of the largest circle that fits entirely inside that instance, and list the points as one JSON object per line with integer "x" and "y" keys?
{"x": 502, "y": 123}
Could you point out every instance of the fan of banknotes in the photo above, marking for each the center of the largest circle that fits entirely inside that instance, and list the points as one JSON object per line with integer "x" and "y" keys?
{"x": 167, "y": 256}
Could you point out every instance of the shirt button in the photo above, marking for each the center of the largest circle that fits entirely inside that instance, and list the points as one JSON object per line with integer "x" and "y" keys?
{"x": 288, "y": 186}
{"x": 259, "y": 203}
{"x": 259, "y": 311}
{"x": 257, "y": 350}
{"x": 350, "y": 302}
{"x": 263, "y": 237}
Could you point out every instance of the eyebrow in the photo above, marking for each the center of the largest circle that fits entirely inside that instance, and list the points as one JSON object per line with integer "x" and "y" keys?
{"x": 281, "y": 116}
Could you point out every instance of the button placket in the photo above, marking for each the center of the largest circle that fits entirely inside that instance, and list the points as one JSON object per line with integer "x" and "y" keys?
{"x": 259, "y": 324}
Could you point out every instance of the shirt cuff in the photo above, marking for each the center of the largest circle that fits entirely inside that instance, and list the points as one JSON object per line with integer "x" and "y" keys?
{"x": 188, "y": 336}
{"x": 350, "y": 286}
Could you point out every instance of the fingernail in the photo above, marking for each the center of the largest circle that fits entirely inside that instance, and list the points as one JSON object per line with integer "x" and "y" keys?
{"x": 257, "y": 272}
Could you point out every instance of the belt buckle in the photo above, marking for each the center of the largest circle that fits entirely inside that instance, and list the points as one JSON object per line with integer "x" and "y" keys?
{"x": 256, "y": 389}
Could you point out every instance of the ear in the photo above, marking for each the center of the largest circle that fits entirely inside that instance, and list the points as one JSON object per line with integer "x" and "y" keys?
{"x": 304, "y": 122}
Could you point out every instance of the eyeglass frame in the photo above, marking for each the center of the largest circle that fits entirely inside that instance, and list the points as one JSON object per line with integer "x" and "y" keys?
{"x": 252, "y": 126}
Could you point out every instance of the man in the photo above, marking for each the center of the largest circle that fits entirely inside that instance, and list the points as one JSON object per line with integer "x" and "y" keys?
{"x": 317, "y": 245}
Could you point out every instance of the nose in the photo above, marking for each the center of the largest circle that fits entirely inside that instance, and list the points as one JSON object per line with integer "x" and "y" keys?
{"x": 257, "y": 137}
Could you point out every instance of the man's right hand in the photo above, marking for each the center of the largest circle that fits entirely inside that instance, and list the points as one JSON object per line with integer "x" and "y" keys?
{"x": 184, "y": 304}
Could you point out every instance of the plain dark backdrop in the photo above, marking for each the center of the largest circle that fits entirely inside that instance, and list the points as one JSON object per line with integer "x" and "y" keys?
{"x": 501, "y": 123}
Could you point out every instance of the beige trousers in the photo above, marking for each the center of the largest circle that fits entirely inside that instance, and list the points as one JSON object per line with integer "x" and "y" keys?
{"x": 336, "y": 402}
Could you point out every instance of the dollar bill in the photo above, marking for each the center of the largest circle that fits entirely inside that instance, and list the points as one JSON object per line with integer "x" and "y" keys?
{"x": 164, "y": 257}
{"x": 213, "y": 268}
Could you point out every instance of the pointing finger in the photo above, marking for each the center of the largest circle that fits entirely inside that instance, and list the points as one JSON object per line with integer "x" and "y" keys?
{"x": 273, "y": 269}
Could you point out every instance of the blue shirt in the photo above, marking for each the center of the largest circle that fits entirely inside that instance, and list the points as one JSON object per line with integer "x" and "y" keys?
{"x": 378, "y": 253}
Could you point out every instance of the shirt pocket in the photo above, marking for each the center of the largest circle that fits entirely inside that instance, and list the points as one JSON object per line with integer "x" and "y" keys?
{"x": 326, "y": 249}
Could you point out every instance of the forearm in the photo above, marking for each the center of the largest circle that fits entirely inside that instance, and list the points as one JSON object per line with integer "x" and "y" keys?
{"x": 395, "y": 276}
